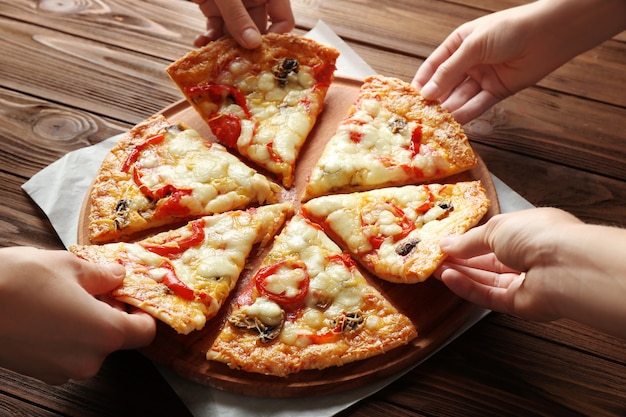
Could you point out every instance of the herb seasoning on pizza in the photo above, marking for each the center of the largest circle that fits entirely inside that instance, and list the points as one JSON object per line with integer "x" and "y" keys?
{"x": 307, "y": 307}
{"x": 395, "y": 232}
{"x": 161, "y": 173}
{"x": 262, "y": 102}
{"x": 183, "y": 276}
{"x": 391, "y": 136}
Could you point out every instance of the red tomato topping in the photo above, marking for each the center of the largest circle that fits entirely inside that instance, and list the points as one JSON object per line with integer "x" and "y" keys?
{"x": 261, "y": 279}
{"x": 134, "y": 153}
{"x": 226, "y": 128}
{"x": 402, "y": 220}
{"x": 428, "y": 204}
{"x": 217, "y": 93}
{"x": 177, "y": 246}
{"x": 416, "y": 140}
{"x": 175, "y": 284}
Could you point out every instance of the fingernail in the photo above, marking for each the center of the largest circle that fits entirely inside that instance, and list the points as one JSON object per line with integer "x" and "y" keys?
{"x": 429, "y": 91}
{"x": 251, "y": 38}
{"x": 446, "y": 242}
{"x": 117, "y": 269}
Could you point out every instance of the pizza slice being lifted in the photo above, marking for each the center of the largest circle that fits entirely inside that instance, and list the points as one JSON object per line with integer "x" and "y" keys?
{"x": 391, "y": 136}
{"x": 307, "y": 307}
{"x": 262, "y": 102}
{"x": 183, "y": 276}
{"x": 395, "y": 232}
{"x": 161, "y": 173}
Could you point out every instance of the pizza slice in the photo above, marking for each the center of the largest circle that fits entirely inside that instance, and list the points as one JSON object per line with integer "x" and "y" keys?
{"x": 183, "y": 276}
{"x": 161, "y": 173}
{"x": 391, "y": 136}
{"x": 307, "y": 307}
{"x": 395, "y": 232}
{"x": 263, "y": 102}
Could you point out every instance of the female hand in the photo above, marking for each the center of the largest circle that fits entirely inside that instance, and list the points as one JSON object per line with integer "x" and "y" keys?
{"x": 244, "y": 20}
{"x": 541, "y": 264}
{"x": 51, "y": 325}
{"x": 490, "y": 58}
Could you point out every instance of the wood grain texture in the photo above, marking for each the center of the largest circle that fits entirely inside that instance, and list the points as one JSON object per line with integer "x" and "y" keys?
{"x": 97, "y": 64}
{"x": 434, "y": 310}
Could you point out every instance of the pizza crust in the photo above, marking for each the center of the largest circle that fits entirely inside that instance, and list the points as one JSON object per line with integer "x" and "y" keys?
{"x": 342, "y": 217}
{"x": 340, "y": 318}
{"x": 211, "y": 179}
{"x": 263, "y": 102}
{"x": 391, "y": 136}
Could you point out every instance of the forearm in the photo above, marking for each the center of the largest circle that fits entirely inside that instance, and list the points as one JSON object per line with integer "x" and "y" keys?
{"x": 575, "y": 26}
{"x": 588, "y": 277}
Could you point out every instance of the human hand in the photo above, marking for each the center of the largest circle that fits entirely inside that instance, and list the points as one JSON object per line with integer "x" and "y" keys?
{"x": 244, "y": 20}
{"x": 509, "y": 264}
{"x": 51, "y": 325}
{"x": 485, "y": 61}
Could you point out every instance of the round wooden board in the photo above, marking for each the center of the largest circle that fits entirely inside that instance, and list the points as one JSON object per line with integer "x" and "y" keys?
{"x": 436, "y": 312}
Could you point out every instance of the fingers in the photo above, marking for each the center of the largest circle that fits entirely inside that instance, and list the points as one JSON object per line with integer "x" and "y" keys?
{"x": 281, "y": 16}
{"x": 243, "y": 20}
{"x": 139, "y": 329}
{"x": 448, "y": 66}
{"x": 468, "y": 110}
{"x": 470, "y": 244}
{"x": 98, "y": 279}
{"x": 487, "y": 289}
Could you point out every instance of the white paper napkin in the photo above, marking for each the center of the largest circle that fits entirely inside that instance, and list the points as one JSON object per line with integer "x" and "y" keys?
{"x": 60, "y": 189}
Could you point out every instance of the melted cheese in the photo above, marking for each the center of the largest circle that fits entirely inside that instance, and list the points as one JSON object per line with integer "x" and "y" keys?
{"x": 219, "y": 180}
{"x": 333, "y": 288}
{"x": 378, "y": 143}
{"x": 280, "y": 118}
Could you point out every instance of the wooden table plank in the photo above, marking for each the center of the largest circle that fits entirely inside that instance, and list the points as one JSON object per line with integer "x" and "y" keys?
{"x": 106, "y": 60}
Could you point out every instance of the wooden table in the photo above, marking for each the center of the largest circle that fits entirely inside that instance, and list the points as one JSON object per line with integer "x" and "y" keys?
{"x": 75, "y": 72}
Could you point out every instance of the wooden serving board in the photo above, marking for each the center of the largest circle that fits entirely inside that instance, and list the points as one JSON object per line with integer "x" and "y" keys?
{"x": 436, "y": 312}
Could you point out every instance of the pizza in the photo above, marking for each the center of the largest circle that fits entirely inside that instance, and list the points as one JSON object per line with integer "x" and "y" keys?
{"x": 395, "y": 232}
{"x": 183, "y": 276}
{"x": 261, "y": 103}
{"x": 183, "y": 213}
{"x": 391, "y": 136}
{"x": 307, "y": 307}
{"x": 161, "y": 173}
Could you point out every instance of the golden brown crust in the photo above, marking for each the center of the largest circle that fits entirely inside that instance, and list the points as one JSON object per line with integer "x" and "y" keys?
{"x": 310, "y": 336}
{"x": 240, "y": 351}
{"x": 391, "y": 136}
{"x": 341, "y": 216}
{"x": 120, "y": 208}
{"x": 403, "y": 99}
{"x": 209, "y": 268}
{"x": 207, "y": 64}
{"x": 225, "y": 63}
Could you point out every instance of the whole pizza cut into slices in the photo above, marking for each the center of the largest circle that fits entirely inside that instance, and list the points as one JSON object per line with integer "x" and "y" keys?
{"x": 307, "y": 307}
{"x": 391, "y": 136}
{"x": 183, "y": 276}
{"x": 395, "y": 232}
{"x": 262, "y": 102}
{"x": 160, "y": 173}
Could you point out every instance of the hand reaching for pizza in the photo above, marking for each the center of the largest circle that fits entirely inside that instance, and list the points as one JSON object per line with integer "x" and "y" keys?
{"x": 244, "y": 20}
{"x": 495, "y": 56}
{"x": 569, "y": 269}
{"x": 51, "y": 325}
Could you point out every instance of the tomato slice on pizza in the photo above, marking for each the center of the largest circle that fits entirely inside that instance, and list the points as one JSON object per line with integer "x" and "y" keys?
{"x": 262, "y": 103}
{"x": 307, "y": 307}
{"x": 162, "y": 173}
{"x": 391, "y": 136}
{"x": 183, "y": 276}
{"x": 395, "y": 232}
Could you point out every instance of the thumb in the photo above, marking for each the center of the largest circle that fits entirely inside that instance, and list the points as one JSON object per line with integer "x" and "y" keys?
{"x": 99, "y": 279}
